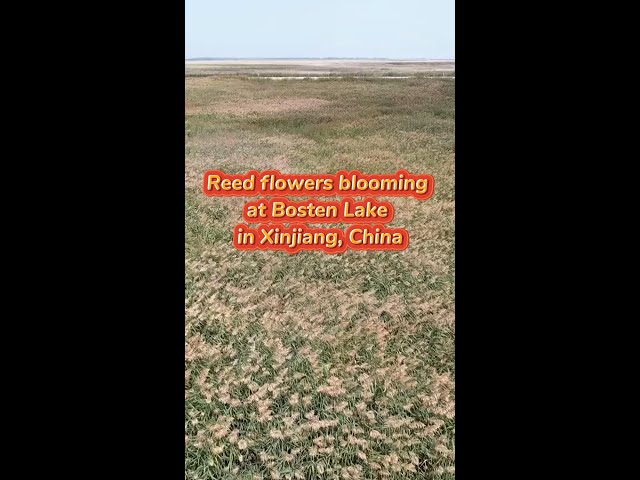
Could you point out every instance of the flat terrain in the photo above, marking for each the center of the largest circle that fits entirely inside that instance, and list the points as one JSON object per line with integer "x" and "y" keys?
{"x": 313, "y": 365}
{"x": 317, "y": 67}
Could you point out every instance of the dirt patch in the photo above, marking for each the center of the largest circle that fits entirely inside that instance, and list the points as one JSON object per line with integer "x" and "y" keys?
{"x": 264, "y": 106}
{"x": 191, "y": 108}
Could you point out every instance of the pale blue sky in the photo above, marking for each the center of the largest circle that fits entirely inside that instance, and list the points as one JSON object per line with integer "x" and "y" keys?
{"x": 320, "y": 28}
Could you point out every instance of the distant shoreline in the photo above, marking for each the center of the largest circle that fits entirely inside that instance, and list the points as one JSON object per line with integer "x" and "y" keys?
{"x": 308, "y": 67}
{"x": 223, "y": 59}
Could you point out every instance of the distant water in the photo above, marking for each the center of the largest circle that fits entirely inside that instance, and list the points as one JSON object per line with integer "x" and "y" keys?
{"x": 317, "y": 58}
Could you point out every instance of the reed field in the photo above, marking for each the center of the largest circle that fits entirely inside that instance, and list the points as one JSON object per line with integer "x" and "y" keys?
{"x": 314, "y": 365}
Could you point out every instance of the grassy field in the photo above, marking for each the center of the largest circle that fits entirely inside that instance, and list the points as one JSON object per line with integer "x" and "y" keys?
{"x": 313, "y": 365}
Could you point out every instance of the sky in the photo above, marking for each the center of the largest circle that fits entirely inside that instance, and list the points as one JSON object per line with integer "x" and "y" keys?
{"x": 320, "y": 28}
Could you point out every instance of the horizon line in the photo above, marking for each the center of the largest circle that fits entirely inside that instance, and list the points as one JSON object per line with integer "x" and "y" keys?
{"x": 318, "y": 58}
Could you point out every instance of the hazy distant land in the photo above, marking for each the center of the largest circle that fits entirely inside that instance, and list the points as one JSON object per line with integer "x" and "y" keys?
{"x": 318, "y": 67}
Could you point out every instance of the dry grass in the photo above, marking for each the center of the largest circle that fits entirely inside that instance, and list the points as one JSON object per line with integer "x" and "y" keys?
{"x": 264, "y": 106}
{"x": 314, "y": 365}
